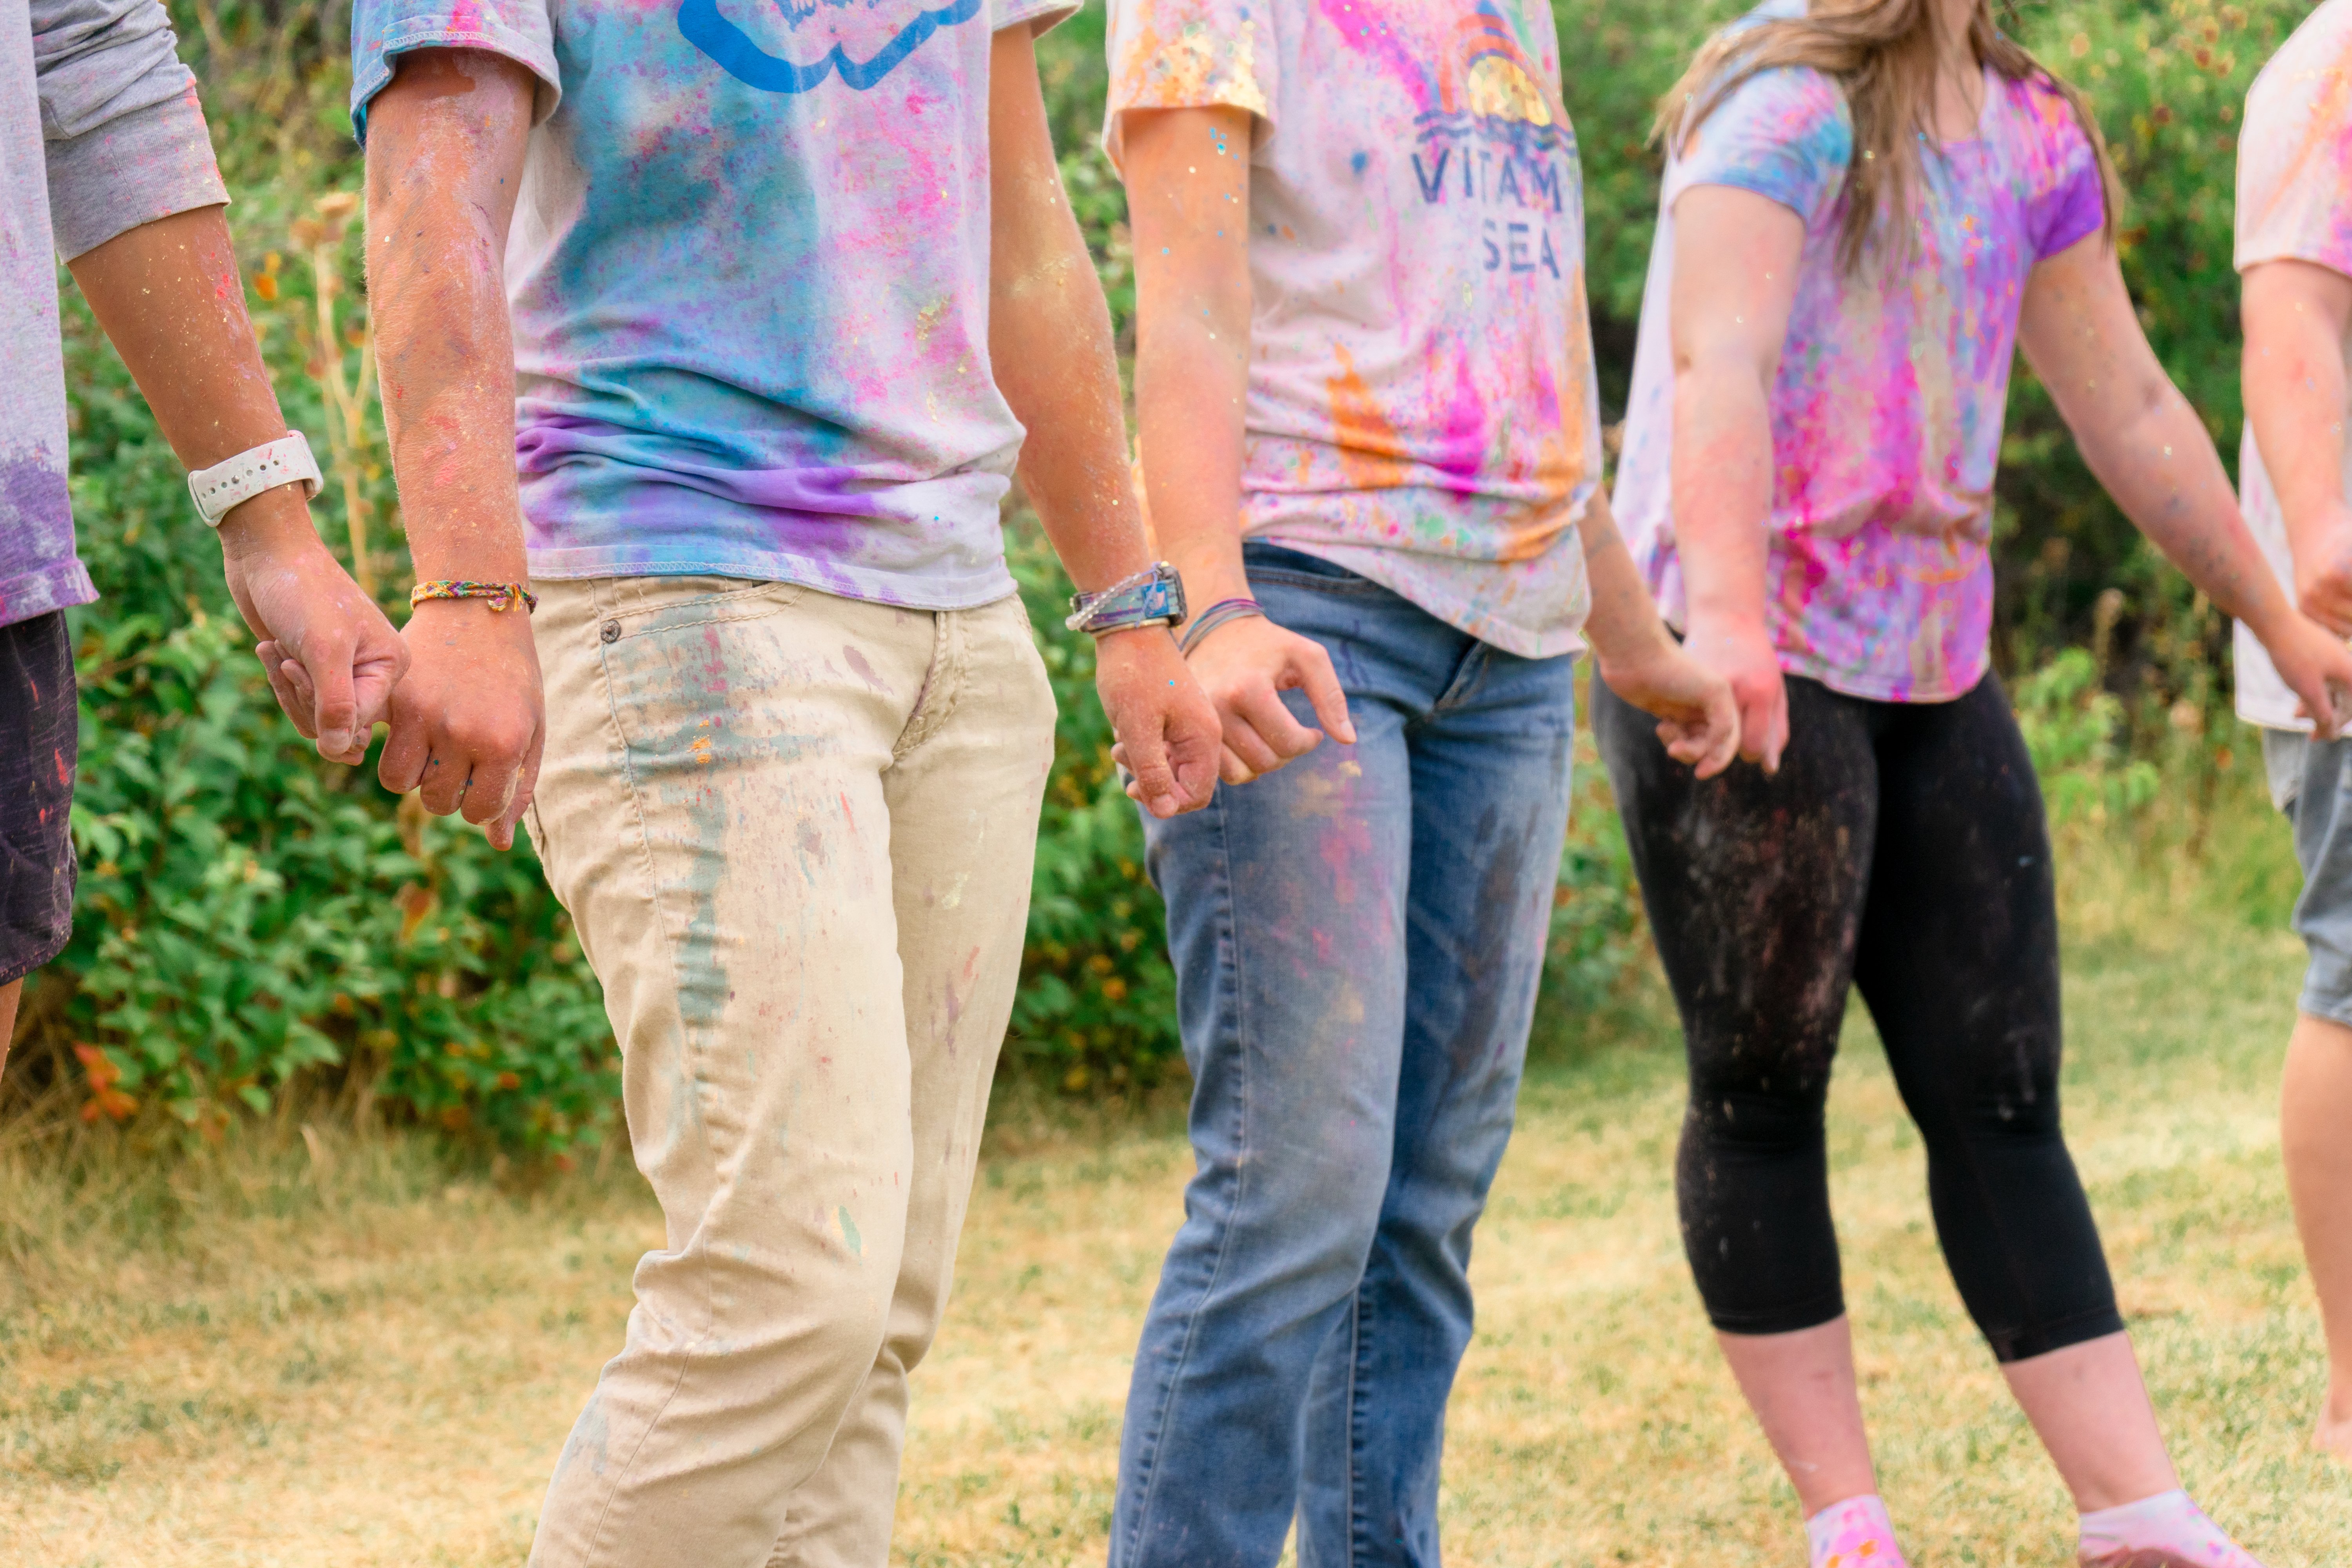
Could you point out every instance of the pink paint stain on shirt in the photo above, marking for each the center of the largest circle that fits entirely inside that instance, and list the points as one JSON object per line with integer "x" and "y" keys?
{"x": 1886, "y": 413}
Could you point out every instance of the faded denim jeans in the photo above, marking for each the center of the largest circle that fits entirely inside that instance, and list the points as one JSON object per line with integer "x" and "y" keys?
{"x": 1357, "y": 941}
{"x": 794, "y": 834}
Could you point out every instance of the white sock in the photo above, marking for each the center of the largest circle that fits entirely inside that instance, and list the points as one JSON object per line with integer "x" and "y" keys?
{"x": 1856, "y": 1533}
{"x": 2167, "y": 1531}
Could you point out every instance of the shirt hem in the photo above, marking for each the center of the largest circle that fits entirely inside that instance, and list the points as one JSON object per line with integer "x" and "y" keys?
{"x": 1847, "y": 685}
{"x": 373, "y": 77}
{"x": 1040, "y": 18}
{"x": 1369, "y": 561}
{"x": 2339, "y": 262}
{"x": 842, "y": 583}
{"x": 136, "y": 169}
{"x": 58, "y": 586}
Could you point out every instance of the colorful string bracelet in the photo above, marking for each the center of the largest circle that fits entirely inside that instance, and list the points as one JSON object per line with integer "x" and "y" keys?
{"x": 499, "y": 595}
{"x": 1216, "y": 616}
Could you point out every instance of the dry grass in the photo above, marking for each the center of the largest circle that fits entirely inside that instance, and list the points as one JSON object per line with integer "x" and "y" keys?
{"x": 257, "y": 1361}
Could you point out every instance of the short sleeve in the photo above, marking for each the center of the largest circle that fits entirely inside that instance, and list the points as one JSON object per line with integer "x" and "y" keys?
{"x": 1042, "y": 16}
{"x": 123, "y": 139}
{"x": 384, "y": 30}
{"x": 2295, "y": 157}
{"x": 1785, "y": 134}
{"x": 1189, "y": 54}
{"x": 2066, "y": 199}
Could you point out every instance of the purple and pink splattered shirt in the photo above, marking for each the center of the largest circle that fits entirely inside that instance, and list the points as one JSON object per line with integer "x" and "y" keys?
{"x": 1886, "y": 415}
{"x": 1422, "y": 405}
{"x": 748, "y": 279}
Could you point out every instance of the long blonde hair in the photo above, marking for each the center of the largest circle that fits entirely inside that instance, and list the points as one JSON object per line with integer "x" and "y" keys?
{"x": 1882, "y": 53}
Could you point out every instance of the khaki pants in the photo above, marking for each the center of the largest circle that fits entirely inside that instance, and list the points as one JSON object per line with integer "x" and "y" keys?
{"x": 795, "y": 833}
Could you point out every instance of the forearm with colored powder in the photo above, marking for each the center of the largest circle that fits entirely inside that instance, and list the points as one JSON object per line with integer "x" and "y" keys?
{"x": 446, "y": 143}
{"x": 1050, "y": 338}
{"x": 2138, "y": 435}
{"x": 172, "y": 301}
{"x": 1188, "y": 197}
{"x": 1736, "y": 258}
{"x": 2295, "y": 315}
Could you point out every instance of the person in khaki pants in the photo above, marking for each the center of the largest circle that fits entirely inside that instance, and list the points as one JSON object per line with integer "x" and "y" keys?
{"x": 780, "y": 304}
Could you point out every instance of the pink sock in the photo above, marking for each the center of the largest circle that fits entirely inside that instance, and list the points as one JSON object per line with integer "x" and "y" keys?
{"x": 2167, "y": 1531}
{"x": 1856, "y": 1533}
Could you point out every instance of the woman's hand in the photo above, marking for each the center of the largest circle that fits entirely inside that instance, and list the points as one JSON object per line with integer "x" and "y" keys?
{"x": 1244, "y": 666}
{"x": 2316, "y": 666}
{"x": 1740, "y": 650}
{"x": 1698, "y": 716}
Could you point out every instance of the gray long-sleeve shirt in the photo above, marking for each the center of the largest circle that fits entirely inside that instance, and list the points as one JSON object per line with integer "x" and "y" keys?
{"x": 99, "y": 132}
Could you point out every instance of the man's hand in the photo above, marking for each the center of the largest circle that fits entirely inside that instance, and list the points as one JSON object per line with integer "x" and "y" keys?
{"x": 1244, "y": 666}
{"x": 2322, "y": 567}
{"x": 1740, "y": 650}
{"x": 170, "y": 299}
{"x": 331, "y": 656}
{"x": 469, "y": 722}
{"x": 1698, "y": 716}
{"x": 1166, "y": 730}
{"x": 2317, "y": 667}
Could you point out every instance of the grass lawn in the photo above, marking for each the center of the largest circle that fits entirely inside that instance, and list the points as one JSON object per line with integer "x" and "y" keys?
{"x": 266, "y": 1357}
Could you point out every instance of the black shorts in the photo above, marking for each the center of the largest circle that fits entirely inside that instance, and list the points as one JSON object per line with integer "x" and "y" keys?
{"x": 39, "y": 741}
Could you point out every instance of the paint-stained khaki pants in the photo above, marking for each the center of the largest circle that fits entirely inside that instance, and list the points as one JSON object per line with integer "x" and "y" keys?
{"x": 795, "y": 833}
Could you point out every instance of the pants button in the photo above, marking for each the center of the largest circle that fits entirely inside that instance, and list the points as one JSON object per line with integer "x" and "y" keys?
{"x": 609, "y": 632}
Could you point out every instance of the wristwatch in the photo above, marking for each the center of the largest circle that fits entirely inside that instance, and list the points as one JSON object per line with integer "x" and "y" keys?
{"x": 225, "y": 486}
{"x": 1153, "y": 597}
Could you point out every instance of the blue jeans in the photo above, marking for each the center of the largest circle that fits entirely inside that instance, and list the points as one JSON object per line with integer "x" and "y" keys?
{"x": 1357, "y": 941}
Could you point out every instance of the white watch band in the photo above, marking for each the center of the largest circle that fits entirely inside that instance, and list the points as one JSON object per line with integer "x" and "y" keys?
{"x": 224, "y": 486}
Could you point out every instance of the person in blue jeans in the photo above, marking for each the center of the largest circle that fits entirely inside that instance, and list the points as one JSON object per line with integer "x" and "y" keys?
{"x": 1370, "y": 444}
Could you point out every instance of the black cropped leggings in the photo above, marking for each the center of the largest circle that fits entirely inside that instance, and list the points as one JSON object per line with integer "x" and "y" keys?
{"x": 1901, "y": 847}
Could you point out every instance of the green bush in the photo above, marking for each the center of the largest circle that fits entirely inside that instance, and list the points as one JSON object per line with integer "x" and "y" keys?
{"x": 252, "y": 919}
{"x": 248, "y": 915}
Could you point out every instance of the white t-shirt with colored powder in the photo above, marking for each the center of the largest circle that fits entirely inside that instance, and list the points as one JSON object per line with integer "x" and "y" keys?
{"x": 749, "y": 279}
{"x": 1421, "y": 404}
{"x": 2294, "y": 204}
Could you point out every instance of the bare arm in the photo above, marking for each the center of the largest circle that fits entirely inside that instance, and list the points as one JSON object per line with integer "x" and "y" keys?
{"x": 2152, "y": 453}
{"x": 2296, "y": 315}
{"x": 1735, "y": 282}
{"x": 1187, "y": 172}
{"x": 1698, "y": 719}
{"x": 1050, "y": 343}
{"x": 172, "y": 301}
{"x": 445, "y": 144}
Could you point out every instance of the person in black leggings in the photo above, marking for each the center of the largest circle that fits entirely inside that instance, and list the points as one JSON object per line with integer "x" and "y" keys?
{"x": 1900, "y": 847}
{"x": 1869, "y": 209}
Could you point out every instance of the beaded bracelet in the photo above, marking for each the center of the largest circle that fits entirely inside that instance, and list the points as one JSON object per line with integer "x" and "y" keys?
{"x": 1216, "y": 616}
{"x": 499, "y": 596}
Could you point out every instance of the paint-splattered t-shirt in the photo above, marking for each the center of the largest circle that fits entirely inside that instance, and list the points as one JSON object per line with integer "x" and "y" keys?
{"x": 99, "y": 132}
{"x": 1886, "y": 414}
{"x": 2294, "y": 204}
{"x": 749, "y": 279}
{"x": 1422, "y": 407}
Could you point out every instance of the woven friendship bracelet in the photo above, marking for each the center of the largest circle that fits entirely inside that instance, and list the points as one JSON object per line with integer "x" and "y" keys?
{"x": 1216, "y": 616}
{"x": 499, "y": 596}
